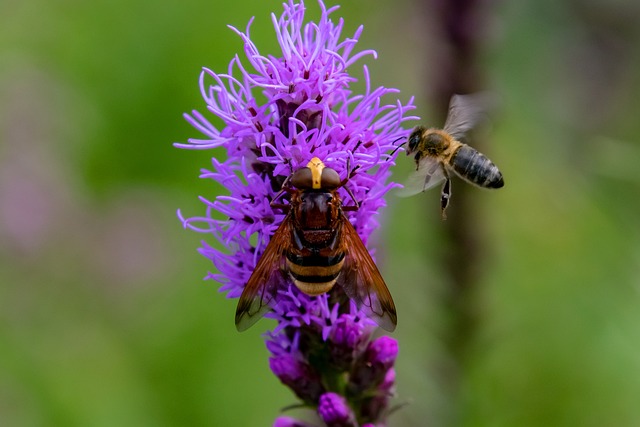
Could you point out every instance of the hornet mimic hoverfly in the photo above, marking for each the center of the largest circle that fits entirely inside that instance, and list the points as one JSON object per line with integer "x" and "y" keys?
{"x": 316, "y": 248}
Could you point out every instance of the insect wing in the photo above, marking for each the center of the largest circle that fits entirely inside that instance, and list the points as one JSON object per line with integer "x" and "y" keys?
{"x": 465, "y": 111}
{"x": 268, "y": 276}
{"x": 429, "y": 174}
{"x": 362, "y": 281}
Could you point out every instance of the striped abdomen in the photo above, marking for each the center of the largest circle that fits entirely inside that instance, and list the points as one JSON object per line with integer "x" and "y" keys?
{"x": 315, "y": 260}
{"x": 476, "y": 168}
{"x": 314, "y": 274}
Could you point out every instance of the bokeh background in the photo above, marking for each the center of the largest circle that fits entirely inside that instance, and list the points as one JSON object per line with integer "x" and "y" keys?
{"x": 105, "y": 319}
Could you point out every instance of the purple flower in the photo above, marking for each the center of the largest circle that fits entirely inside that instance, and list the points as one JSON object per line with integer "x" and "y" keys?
{"x": 374, "y": 365}
{"x": 349, "y": 339}
{"x": 335, "y": 412}
{"x": 298, "y": 376}
{"x": 290, "y": 422}
{"x": 277, "y": 112}
{"x": 374, "y": 406}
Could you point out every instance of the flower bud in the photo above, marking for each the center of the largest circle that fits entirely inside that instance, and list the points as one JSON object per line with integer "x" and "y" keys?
{"x": 335, "y": 412}
{"x": 370, "y": 370}
{"x": 348, "y": 339}
{"x": 298, "y": 376}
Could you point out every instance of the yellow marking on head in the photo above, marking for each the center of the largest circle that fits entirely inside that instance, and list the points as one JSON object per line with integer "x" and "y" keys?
{"x": 316, "y": 167}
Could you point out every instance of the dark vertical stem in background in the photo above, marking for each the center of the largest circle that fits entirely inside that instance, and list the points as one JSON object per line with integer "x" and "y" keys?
{"x": 457, "y": 26}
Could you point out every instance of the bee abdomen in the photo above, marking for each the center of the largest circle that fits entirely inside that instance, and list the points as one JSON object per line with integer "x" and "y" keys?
{"x": 315, "y": 275}
{"x": 475, "y": 167}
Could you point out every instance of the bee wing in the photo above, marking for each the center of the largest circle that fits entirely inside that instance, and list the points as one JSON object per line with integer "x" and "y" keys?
{"x": 269, "y": 275}
{"x": 465, "y": 111}
{"x": 362, "y": 281}
{"x": 429, "y": 174}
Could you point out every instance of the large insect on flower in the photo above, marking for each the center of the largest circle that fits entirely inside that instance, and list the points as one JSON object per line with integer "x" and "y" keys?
{"x": 316, "y": 248}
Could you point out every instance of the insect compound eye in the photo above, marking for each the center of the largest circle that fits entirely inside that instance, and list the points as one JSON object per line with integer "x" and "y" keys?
{"x": 302, "y": 179}
{"x": 414, "y": 139}
{"x": 330, "y": 179}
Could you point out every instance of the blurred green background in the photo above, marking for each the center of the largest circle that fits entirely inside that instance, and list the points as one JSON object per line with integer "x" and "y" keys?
{"x": 105, "y": 319}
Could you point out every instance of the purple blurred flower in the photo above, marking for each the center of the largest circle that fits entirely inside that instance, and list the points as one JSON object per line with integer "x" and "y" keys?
{"x": 298, "y": 376}
{"x": 373, "y": 406}
{"x": 279, "y": 111}
{"x": 375, "y": 362}
{"x": 289, "y": 422}
{"x": 348, "y": 339}
{"x": 335, "y": 412}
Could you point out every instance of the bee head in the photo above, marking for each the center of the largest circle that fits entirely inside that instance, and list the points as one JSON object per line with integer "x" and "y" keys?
{"x": 315, "y": 176}
{"x": 414, "y": 139}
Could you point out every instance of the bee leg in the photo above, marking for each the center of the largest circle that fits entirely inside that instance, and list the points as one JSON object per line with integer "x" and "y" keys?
{"x": 281, "y": 206}
{"x": 286, "y": 188}
{"x": 343, "y": 184}
{"x": 432, "y": 170}
{"x": 350, "y": 172}
{"x": 417, "y": 158}
{"x": 356, "y": 204}
{"x": 276, "y": 197}
{"x": 445, "y": 195}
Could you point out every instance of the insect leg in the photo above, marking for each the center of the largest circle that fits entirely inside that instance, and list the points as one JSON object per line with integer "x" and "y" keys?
{"x": 432, "y": 170}
{"x": 350, "y": 174}
{"x": 285, "y": 188}
{"x": 445, "y": 195}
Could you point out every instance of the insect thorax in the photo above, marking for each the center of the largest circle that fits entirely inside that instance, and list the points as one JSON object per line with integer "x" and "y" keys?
{"x": 436, "y": 142}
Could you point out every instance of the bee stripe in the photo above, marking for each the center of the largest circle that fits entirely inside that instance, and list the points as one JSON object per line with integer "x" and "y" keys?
{"x": 315, "y": 260}
{"x": 315, "y": 279}
{"x": 314, "y": 289}
{"x": 306, "y": 272}
{"x": 475, "y": 167}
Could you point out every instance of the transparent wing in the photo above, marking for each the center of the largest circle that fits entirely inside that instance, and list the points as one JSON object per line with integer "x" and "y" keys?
{"x": 362, "y": 281}
{"x": 465, "y": 111}
{"x": 429, "y": 174}
{"x": 269, "y": 275}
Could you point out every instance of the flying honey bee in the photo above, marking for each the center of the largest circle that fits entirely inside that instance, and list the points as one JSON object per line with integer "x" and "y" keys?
{"x": 438, "y": 152}
{"x": 316, "y": 248}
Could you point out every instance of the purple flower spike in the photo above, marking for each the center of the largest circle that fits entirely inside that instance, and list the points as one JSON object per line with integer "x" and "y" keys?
{"x": 376, "y": 361}
{"x": 349, "y": 339}
{"x": 335, "y": 412}
{"x": 387, "y": 385}
{"x": 298, "y": 376}
{"x": 374, "y": 406}
{"x": 277, "y": 112}
{"x": 289, "y": 422}
{"x": 383, "y": 351}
